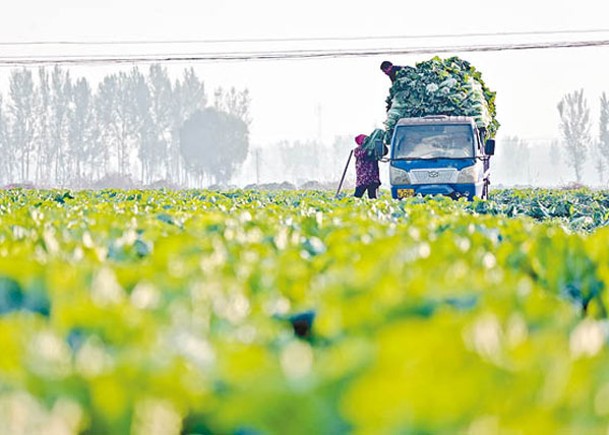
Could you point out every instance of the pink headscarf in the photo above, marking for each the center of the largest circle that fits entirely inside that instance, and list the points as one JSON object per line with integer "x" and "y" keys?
{"x": 360, "y": 138}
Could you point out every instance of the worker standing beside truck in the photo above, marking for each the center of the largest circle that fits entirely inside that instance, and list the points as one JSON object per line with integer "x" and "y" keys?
{"x": 366, "y": 170}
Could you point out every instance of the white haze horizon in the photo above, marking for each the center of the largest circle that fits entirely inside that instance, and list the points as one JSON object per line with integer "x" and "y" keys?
{"x": 302, "y": 100}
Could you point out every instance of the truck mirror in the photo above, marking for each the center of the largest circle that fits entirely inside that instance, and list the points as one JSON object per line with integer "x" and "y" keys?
{"x": 489, "y": 147}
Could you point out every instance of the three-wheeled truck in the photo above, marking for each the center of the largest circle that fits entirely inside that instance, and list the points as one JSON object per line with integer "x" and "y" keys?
{"x": 440, "y": 155}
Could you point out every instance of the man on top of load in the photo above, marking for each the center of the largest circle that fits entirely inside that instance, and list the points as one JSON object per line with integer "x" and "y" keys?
{"x": 390, "y": 69}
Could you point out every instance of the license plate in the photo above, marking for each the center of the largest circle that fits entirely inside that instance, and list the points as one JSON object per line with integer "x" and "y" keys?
{"x": 405, "y": 193}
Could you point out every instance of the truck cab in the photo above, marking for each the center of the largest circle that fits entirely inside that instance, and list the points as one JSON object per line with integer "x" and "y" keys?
{"x": 439, "y": 155}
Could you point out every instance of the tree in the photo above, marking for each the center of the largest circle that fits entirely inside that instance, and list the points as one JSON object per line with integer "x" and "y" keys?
{"x": 4, "y": 143}
{"x": 603, "y": 138}
{"x": 114, "y": 106}
{"x": 123, "y": 119}
{"x": 192, "y": 95}
{"x": 139, "y": 118}
{"x": 105, "y": 100}
{"x": 81, "y": 145}
{"x": 234, "y": 102}
{"x": 20, "y": 108}
{"x": 214, "y": 143}
{"x": 188, "y": 97}
{"x": 575, "y": 129}
{"x": 61, "y": 88}
{"x": 42, "y": 116}
{"x": 153, "y": 152}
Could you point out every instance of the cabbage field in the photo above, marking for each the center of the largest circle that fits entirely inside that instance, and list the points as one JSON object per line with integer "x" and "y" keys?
{"x": 245, "y": 313}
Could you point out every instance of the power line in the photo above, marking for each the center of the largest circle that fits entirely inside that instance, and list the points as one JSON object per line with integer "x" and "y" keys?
{"x": 305, "y": 39}
{"x": 283, "y": 54}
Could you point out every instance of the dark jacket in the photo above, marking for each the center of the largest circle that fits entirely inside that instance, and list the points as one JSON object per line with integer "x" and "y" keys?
{"x": 393, "y": 72}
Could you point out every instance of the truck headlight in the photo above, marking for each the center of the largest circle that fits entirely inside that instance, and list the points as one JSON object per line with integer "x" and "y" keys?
{"x": 469, "y": 175}
{"x": 398, "y": 176}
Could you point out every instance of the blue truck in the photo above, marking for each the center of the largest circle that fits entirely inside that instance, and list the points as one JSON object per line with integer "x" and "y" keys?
{"x": 440, "y": 155}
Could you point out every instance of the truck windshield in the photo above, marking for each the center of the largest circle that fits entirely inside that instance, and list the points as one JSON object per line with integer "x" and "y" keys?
{"x": 433, "y": 141}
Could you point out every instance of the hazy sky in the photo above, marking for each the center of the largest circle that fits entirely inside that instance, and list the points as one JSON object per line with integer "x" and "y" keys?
{"x": 303, "y": 99}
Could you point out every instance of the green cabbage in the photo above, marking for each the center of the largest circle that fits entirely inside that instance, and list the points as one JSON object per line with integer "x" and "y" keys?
{"x": 438, "y": 86}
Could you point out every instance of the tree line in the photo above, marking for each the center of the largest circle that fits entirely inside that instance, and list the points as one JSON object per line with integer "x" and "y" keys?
{"x": 57, "y": 130}
{"x": 579, "y": 143}
{"x": 581, "y": 152}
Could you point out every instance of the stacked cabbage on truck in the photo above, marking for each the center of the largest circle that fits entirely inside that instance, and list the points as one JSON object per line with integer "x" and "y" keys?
{"x": 440, "y": 129}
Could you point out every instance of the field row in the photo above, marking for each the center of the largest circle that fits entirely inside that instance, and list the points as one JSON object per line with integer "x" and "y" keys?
{"x": 260, "y": 313}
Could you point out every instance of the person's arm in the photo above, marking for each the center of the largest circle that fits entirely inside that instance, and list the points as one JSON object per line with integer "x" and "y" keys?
{"x": 358, "y": 152}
